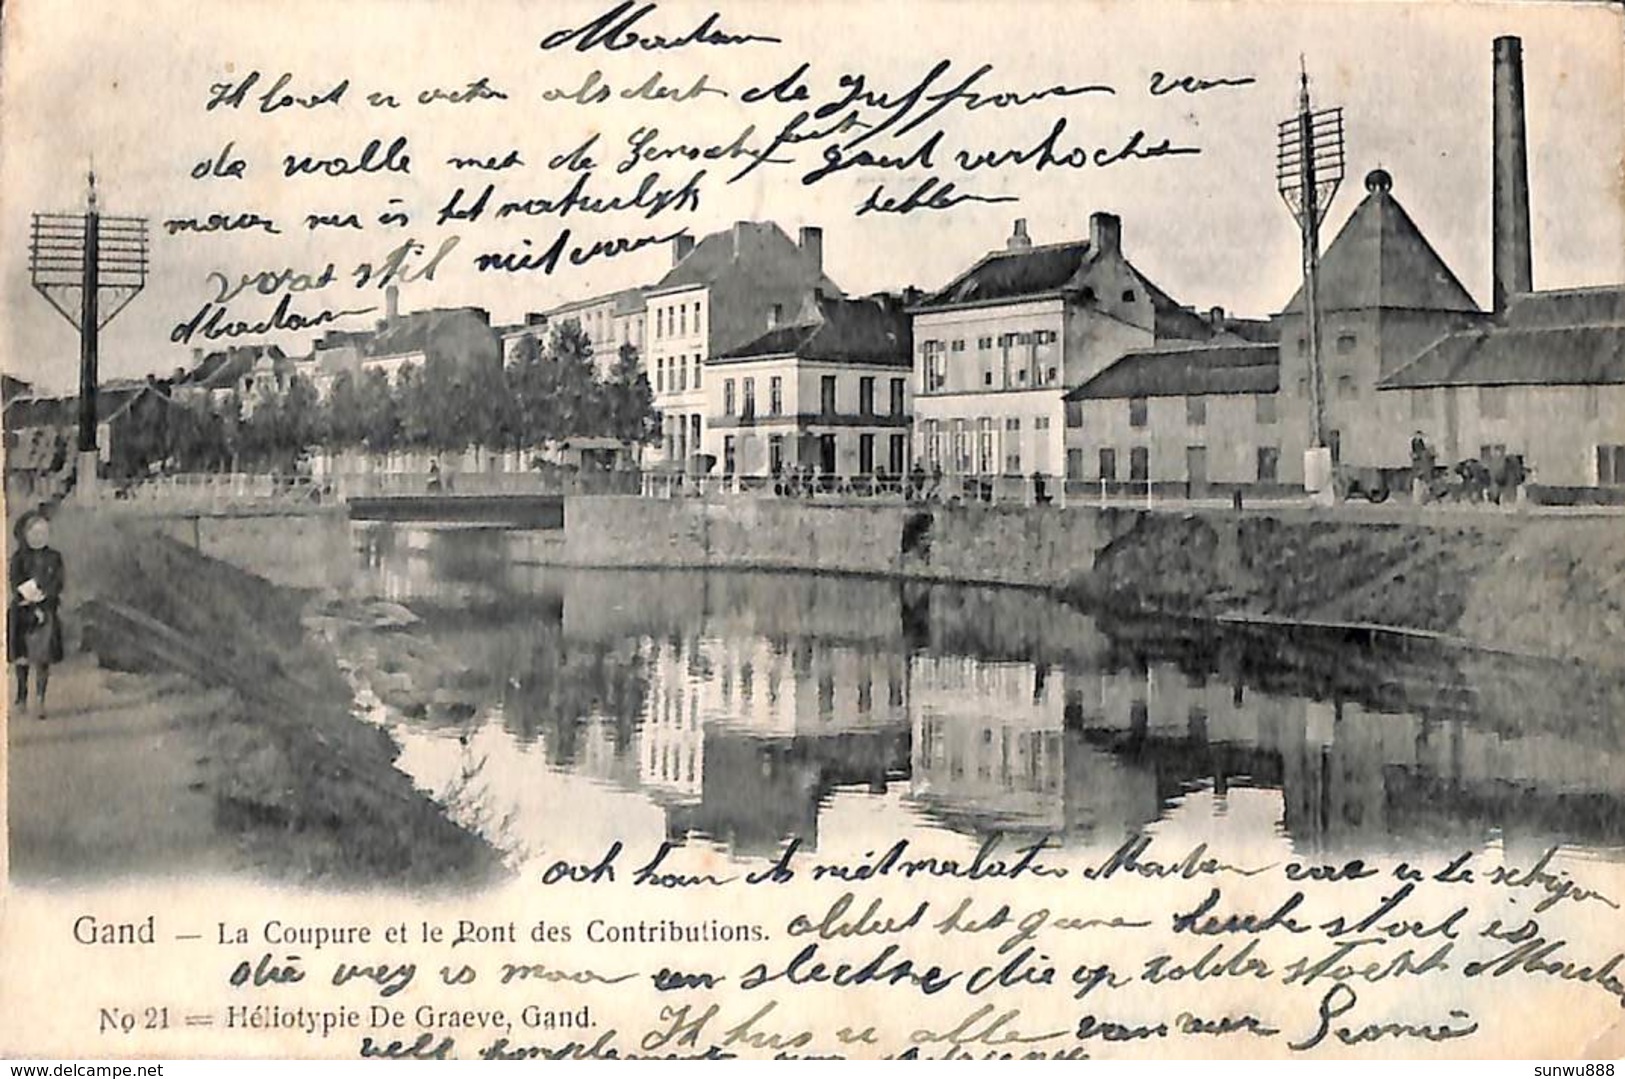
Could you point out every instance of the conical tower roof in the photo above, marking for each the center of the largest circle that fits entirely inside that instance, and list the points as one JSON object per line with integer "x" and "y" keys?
{"x": 1380, "y": 259}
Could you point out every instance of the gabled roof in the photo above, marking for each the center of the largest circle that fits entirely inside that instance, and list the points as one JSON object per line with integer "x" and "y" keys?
{"x": 11, "y": 387}
{"x": 1032, "y": 272}
{"x": 1519, "y": 356}
{"x": 721, "y": 251}
{"x": 1568, "y": 307}
{"x": 1176, "y": 372}
{"x": 411, "y": 333}
{"x": 219, "y": 370}
{"x": 1054, "y": 270}
{"x": 838, "y": 330}
{"x": 1380, "y": 259}
{"x": 27, "y": 412}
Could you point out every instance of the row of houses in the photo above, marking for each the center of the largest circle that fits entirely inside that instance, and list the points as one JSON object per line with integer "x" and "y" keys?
{"x": 1066, "y": 360}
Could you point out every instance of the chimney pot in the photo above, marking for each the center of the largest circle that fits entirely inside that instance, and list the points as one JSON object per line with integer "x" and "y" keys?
{"x": 392, "y": 305}
{"x": 811, "y": 242}
{"x": 1106, "y": 233}
{"x": 1019, "y": 240}
{"x": 680, "y": 247}
{"x": 1510, "y": 196}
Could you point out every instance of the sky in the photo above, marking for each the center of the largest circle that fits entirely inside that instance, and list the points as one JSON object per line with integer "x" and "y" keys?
{"x": 126, "y": 85}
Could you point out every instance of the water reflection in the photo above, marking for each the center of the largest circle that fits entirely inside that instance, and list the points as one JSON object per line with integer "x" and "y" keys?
{"x": 744, "y": 709}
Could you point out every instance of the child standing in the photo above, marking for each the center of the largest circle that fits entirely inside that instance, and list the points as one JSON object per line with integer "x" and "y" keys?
{"x": 33, "y": 622}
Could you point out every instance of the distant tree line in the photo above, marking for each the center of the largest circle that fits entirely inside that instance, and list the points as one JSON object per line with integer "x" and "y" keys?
{"x": 542, "y": 394}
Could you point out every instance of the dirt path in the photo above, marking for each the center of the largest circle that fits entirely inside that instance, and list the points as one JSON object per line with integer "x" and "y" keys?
{"x": 110, "y": 784}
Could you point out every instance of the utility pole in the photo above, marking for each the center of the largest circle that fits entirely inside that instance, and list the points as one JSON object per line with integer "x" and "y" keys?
{"x": 1308, "y": 171}
{"x": 90, "y": 253}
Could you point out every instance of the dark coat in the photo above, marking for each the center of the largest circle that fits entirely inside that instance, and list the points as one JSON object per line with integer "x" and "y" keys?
{"x": 45, "y": 567}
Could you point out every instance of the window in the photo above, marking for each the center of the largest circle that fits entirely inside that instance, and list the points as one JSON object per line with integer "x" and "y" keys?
{"x": 933, "y": 444}
{"x": 936, "y": 365}
{"x": 775, "y": 454}
{"x": 1345, "y": 386}
{"x": 682, "y": 321}
{"x": 682, "y": 376}
{"x": 897, "y": 397}
{"x": 777, "y": 315}
{"x": 1041, "y": 423}
{"x": 1421, "y": 404}
{"x": 1074, "y": 464}
{"x": 1264, "y": 408}
{"x": 1492, "y": 402}
{"x": 866, "y": 455}
{"x": 1139, "y": 464}
{"x": 1345, "y": 343}
{"x": 957, "y": 345}
{"x": 984, "y": 445}
{"x": 826, "y": 395}
{"x": 987, "y": 378}
{"x": 1196, "y": 410}
{"x": 1303, "y": 345}
{"x": 728, "y": 455}
{"x": 696, "y": 316}
{"x": 897, "y": 458}
{"x": 961, "y": 446}
{"x": 727, "y": 397}
{"x": 1334, "y": 442}
{"x": 1128, "y": 295}
{"x": 1074, "y": 413}
{"x": 1611, "y": 466}
{"x": 1108, "y": 465}
{"x": 866, "y": 394}
{"x": 660, "y": 374}
{"x": 1136, "y": 411}
{"x": 984, "y": 343}
{"x": 749, "y": 404}
{"x": 1269, "y": 464}
{"x": 1012, "y": 446}
{"x": 696, "y": 371}
{"x": 1303, "y": 385}
{"x": 775, "y": 396}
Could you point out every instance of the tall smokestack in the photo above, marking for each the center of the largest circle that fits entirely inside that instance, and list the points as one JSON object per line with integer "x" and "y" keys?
{"x": 1511, "y": 259}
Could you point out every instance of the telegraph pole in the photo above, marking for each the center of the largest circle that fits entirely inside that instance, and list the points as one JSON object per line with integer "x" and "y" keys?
{"x": 90, "y": 253}
{"x": 1308, "y": 171}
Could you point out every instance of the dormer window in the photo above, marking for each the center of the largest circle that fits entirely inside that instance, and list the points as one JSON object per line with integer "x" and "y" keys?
{"x": 1128, "y": 295}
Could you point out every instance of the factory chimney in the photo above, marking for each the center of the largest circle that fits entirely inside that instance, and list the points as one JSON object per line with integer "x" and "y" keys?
{"x": 1510, "y": 189}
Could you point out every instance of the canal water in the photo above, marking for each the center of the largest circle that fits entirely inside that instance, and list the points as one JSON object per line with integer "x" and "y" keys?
{"x": 739, "y": 711}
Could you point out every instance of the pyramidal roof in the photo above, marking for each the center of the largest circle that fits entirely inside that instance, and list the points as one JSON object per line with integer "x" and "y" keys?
{"x": 1381, "y": 259}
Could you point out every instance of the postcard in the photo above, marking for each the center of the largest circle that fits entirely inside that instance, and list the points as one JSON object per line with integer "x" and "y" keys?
{"x": 935, "y": 530}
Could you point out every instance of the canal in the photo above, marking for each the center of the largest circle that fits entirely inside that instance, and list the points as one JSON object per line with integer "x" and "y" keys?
{"x": 559, "y": 710}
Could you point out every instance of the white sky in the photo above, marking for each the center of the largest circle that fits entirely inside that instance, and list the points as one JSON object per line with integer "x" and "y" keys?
{"x": 127, "y": 83}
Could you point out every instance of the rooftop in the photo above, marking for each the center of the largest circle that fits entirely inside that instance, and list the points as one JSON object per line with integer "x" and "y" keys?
{"x": 728, "y": 248}
{"x": 1519, "y": 356}
{"x": 1380, "y": 259}
{"x": 1190, "y": 371}
{"x": 838, "y": 330}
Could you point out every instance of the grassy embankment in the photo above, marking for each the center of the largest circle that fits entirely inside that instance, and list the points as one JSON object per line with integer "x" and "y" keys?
{"x": 1550, "y": 587}
{"x": 307, "y": 791}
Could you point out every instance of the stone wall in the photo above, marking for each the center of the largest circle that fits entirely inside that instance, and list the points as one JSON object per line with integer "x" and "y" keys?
{"x": 991, "y": 544}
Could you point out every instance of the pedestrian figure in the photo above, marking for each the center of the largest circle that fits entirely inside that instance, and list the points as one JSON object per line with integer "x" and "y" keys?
{"x": 33, "y": 622}
{"x": 434, "y": 475}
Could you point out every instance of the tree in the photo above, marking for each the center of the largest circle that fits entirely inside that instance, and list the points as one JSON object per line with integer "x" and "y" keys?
{"x": 380, "y": 413}
{"x": 630, "y": 413}
{"x": 345, "y": 416}
{"x": 579, "y": 405}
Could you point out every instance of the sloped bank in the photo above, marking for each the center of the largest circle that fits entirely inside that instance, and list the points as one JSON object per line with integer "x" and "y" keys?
{"x": 1547, "y": 587}
{"x": 309, "y": 793}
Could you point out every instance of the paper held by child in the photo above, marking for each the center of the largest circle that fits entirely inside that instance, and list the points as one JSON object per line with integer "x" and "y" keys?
{"x": 31, "y": 592}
